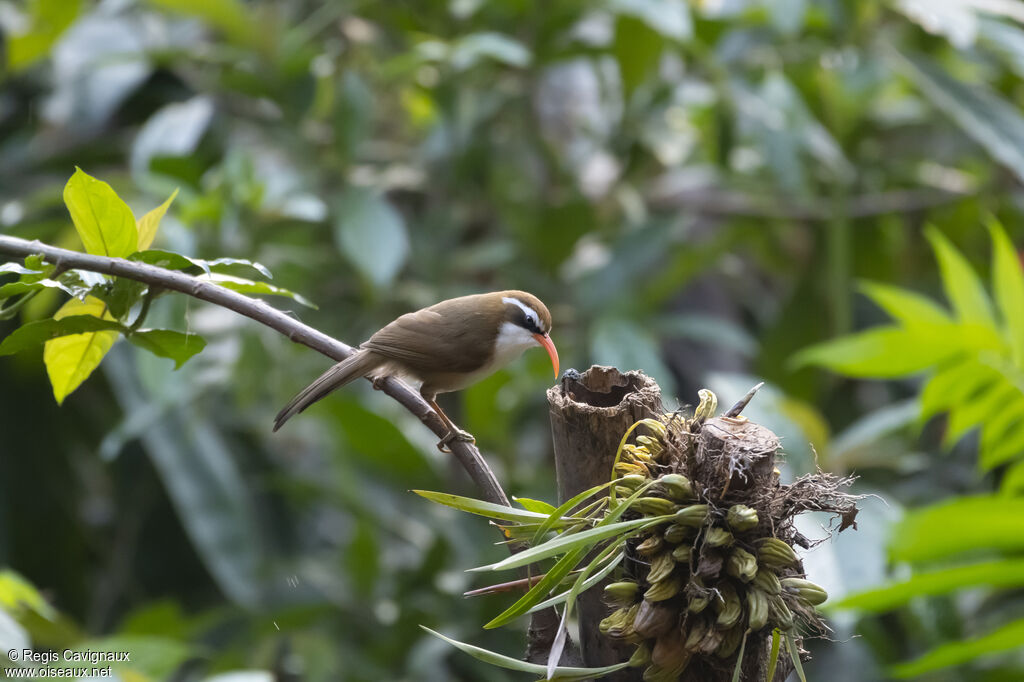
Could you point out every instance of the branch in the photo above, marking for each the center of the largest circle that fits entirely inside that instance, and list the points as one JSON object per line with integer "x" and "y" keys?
{"x": 467, "y": 453}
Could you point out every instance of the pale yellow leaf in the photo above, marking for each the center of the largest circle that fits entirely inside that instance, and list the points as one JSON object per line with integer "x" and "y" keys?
{"x": 149, "y": 223}
{"x": 71, "y": 359}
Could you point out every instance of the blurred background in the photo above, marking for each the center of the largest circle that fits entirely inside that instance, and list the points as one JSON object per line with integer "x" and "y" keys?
{"x": 696, "y": 189}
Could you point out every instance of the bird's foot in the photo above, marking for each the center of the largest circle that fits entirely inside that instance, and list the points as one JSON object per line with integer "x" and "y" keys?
{"x": 455, "y": 434}
{"x": 378, "y": 382}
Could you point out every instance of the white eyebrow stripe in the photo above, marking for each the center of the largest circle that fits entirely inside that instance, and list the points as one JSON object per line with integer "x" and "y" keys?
{"x": 530, "y": 312}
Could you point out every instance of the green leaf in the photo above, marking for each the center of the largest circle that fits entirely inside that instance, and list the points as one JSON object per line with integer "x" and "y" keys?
{"x": 16, "y": 594}
{"x": 1008, "y": 447}
{"x": 970, "y": 415}
{"x": 155, "y": 658}
{"x": 230, "y": 16}
{"x": 794, "y": 654}
{"x": 470, "y": 50}
{"x": 177, "y": 346}
{"x": 963, "y": 286}
{"x": 670, "y": 18}
{"x": 554, "y": 576}
{"x": 1008, "y": 285}
{"x": 176, "y": 261}
{"x": 953, "y": 384}
{"x": 248, "y": 286}
{"x": 565, "y": 674}
{"x": 1013, "y": 481}
{"x": 1002, "y": 573}
{"x": 41, "y": 331}
{"x": 47, "y": 20}
{"x": 587, "y": 584}
{"x": 539, "y": 506}
{"x": 122, "y": 294}
{"x": 981, "y": 113}
{"x": 371, "y": 234}
{"x": 71, "y": 359}
{"x": 18, "y": 269}
{"x": 103, "y": 221}
{"x": 571, "y": 541}
{"x": 147, "y": 225}
{"x": 481, "y": 508}
{"x": 905, "y": 306}
{"x": 637, "y": 48}
{"x": 1007, "y": 638}
{"x": 884, "y": 352}
{"x": 18, "y": 288}
{"x": 773, "y": 658}
{"x": 564, "y": 508}
{"x": 964, "y": 524}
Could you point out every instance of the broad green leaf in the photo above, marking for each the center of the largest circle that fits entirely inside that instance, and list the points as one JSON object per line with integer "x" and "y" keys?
{"x": 905, "y": 306}
{"x": 983, "y": 114}
{"x": 152, "y": 657}
{"x": 169, "y": 260}
{"x": 177, "y": 261}
{"x": 565, "y": 674}
{"x": 121, "y": 296}
{"x": 971, "y": 414}
{"x": 16, "y": 593}
{"x": 41, "y": 331}
{"x": 47, "y": 20}
{"x": 248, "y": 286}
{"x": 1008, "y": 285}
{"x": 1013, "y": 482}
{"x": 884, "y": 352}
{"x": 962, "y": 525}
{"x": 1007, "y": 638}
{"x": 1009, "y": 446}
{"x": 18, "y": 288}
{"x": 177, "y": 346}
{"x": 637, "y": 48}
{"x": 148, "y": 224}
{"x": 71, "y": 359}
{"x": 371, "y": 234}
{"x": 103, "y": 221}
{"x": 539, "y": 506}
{"x": 18, "y": 269}
{"x": 963, "y": 286}
{"x": 1003, "y": 573}
{"x": 953, "y": 384}
{"x": 1001, "y": 424}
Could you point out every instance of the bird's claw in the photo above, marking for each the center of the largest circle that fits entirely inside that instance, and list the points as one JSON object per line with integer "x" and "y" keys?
{"x": 378, "y": 382}
{"x": 455, "y": 434}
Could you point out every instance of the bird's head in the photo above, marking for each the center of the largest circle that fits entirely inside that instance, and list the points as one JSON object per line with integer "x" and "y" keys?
{"x": 527, "y": 322}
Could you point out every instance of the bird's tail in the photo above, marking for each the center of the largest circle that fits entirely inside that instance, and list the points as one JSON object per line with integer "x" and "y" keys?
{"x": 357, "y": 365}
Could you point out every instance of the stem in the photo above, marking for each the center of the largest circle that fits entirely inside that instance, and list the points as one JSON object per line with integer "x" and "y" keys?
{"x": 144, "y": 310}
{"x": 467, "y": 454}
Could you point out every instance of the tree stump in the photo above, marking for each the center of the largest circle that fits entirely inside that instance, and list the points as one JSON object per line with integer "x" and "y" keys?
{"x": 589, "y": 414}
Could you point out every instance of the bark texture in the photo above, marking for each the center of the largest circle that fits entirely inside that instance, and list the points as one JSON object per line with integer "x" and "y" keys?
{"x": 589, "y": 414}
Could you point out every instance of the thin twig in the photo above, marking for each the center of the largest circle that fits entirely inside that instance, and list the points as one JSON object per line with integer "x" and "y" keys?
{"x": 467, "y": 454}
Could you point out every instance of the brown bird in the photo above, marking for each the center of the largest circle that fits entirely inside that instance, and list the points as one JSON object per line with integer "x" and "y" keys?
{"x": 443, "y": 348}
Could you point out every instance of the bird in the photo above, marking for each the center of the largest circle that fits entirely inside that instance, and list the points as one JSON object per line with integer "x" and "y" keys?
{"x": 441, "y": 348}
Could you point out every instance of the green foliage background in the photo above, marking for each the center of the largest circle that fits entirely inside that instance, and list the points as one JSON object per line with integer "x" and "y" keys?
{"x": 696, "y": 189}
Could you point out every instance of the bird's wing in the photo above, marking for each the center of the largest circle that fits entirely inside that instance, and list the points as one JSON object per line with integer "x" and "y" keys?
{"x": 431, "y": 339}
